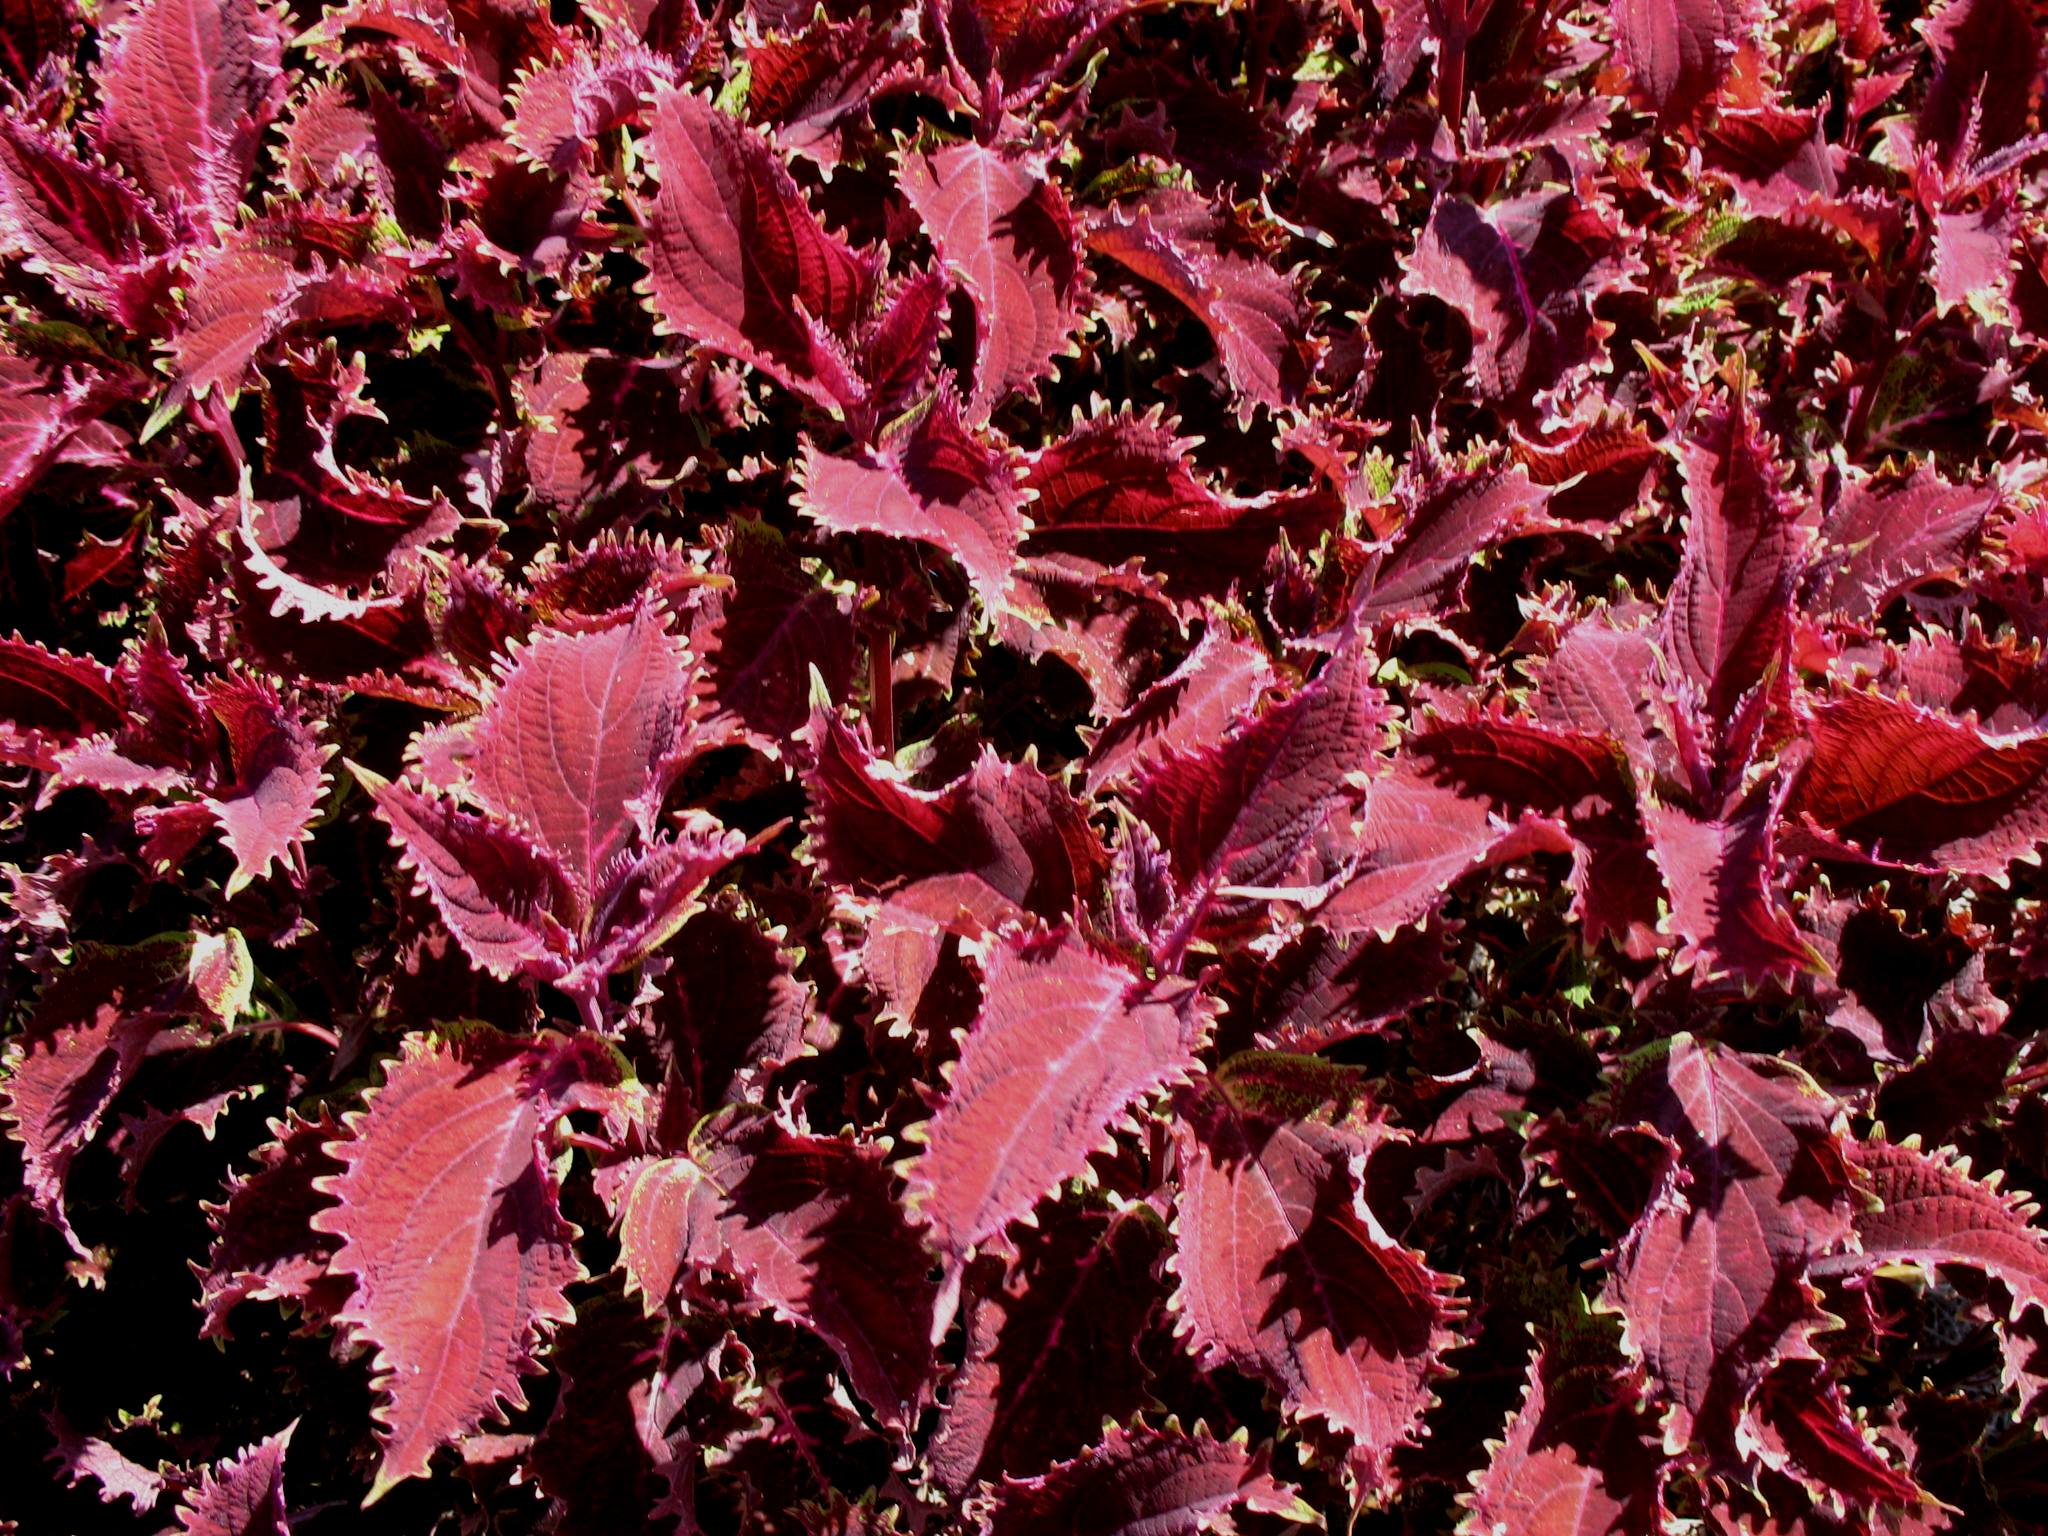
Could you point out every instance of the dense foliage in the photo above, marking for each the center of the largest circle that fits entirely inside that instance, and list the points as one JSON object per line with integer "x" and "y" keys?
{"x": 1023, "y": 766}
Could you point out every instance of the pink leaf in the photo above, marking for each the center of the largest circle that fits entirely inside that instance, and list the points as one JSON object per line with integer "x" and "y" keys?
{"x": 1221, "y": 680}
{"x": 809, "y": 1224}
{"x": 1712, "y": 1279}
{"x": 736, "y": 259}
{"x": 1677, "y": 52}
{"x": 1907, "y": 785}
{"x": 578, "y": 733}
{"x": 1052, "y": 1346}
{"x": 505, "y": 899}
{"x": 1722, "y": 879}
{"x": 447, "y": 1210}
{"x": 1245, "y": 811}
{"x": 1119, "y": 488}
{"x": 186, "y": 91}
{"x": 1285, "y": 1274}
{"x": 1450, "y": 520}
{"x": 1004, "y": 230}
{"x": 1882, "y": 536}
{"x": 1253, "y": 313}
{"x": 1578, "y": 1460}
{"x": 1523, "y": 273}
{"x": 937, "y": 481}
{"x": 241, "y": 1496}
{"x": 266, "y": 808}
{"x": 1066, "y": 1045}
{"x": 79, "y": 223}
{"x": 1932, "y": 1211}
{"x": 1161, "y": 1483}
{"x": 1008, "y": 825}
{"x": 264, "y": 1246}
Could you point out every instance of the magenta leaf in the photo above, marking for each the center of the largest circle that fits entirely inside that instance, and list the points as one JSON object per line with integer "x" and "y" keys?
{"x": 1677, "y": 51}
{"x": 450, "y": 1227}
{"x": 937, "y": 481}
{"x": 1451, "y": 518}
{"x": 1009, "y": 826}
{"x": 736, "y": 258}
{"x": 1067, "y": 1044}
{"x": 242, "y": 1495}
{"x": 1284, "y": 1272}
{"x": 266, "y": 807}
{"x": 80, "y": 224}
{"x": 809, "y": 1224}
{"x": 1220, "y": 681}
{"x": 1165, "y": 1483}
{"x": 186, "y": 90}
{"x": 265, "y": 1247}
{"x": 1901, "y": 784}
{"x": 1523, "y": 274}
{"x": 1005, "y": 232}
{"x": 1242, "y": 814}
{"x": 1930, "y": 1210}
{"x": 1051, "y": 1346}
{"x": 1258, "y": 322}
{"x": 1722, "y": 878}
{"x": 760, "y": 637}
{"x": 1578, "y": 1459}
{"x": 1711, "y": 1282}
{"x": 1729, "y": 618}
{"x": 579, "y": 738}
{"x": 1122, "y": 487}
{"x": 90, "y": 1029}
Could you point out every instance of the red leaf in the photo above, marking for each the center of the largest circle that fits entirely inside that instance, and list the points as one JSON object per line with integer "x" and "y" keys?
{"x": 266, "y": 809}
{"x": 1722, "y": 878}
{"x": 49, "y": 699}
{"x": 1254, "y": 315}
{"x": 1729, "y": 616}
{"x": 505, "y": 899}
{"x": 1066, "y": 1045}
{"x": 186, "y": 91}
{"x": 90, "y": 1029}
{"x": 1052, "y": 1346}
{"x": 80, "y": 224}
{"x": 1285, "y": 1274}
{"x": 1123, "y": 488}
{"x": 936, "y": 481}
{"x": 811, "y": 1227}
{"x": 807, "y": 84}
{"x": 1321, "y": 989}
{"x": 450, "y": 1228}
{"x": 1523, "y": 273}
{"x": 1006, "y": 824}
{"x": 560, "y": 109}
{"x": 1450, "y": 520}
{"x": 1160, "y": 1483}
{"x": 1883, "y": 536}
{"x": 1932, "y": 1211}
{"x": 1677, "y": 52}
{"x": 1906, "y": 785}
{"x": 1005, "y": 232}
{"x": 1712, "y": 1279}
{"x": 1578, "y": 1460}
{"x": 241, "y": 1496}
{"x": 265, "y": 1247}
{"x": 1243, "y": 813}
{"x": 760, "y": 636}
{"x": 1221, "y": 680}
{"x": 736, "y": 259}
{"x": 579, "y": 737}
{"x": 1987, "y": 65}
{"x": 1802, "y": 1427}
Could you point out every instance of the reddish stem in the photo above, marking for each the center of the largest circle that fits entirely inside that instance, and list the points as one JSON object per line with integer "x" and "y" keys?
{"x": 882, "y": 690}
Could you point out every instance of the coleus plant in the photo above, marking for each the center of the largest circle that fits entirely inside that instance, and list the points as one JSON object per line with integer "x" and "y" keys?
{"x": 1079, "y": 766}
